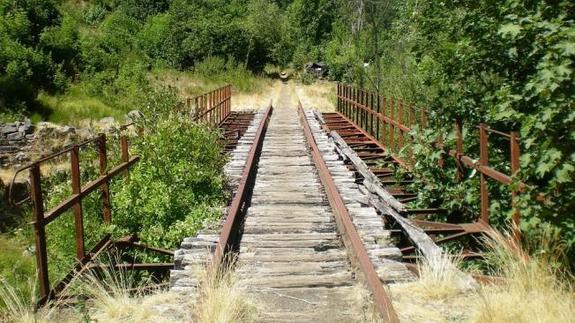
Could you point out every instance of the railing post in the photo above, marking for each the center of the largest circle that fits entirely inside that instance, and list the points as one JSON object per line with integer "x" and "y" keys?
{"x": 515, "y": 154}
{"x": 459, "y": 149}
{"x": 483, "y": 161}
{"x": 391, "y": 125}
{"x": 347, "y": 99}
{"x": 103, "y": 155}
{"x": 384, "y": 126}
{"x": 378, "y": 120}
{"x": 78, "y": 214}
{"x": 400, "y": 121}
{"x": 372, "y": 107}
{"x": 337, "y": 95}
{"x": 125, "y": 153}
{"x": 39, "y": 231}
{"x": 411, "y": 140}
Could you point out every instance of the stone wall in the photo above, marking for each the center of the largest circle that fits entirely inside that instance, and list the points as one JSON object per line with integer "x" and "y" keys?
{"x": 16, "y": 140}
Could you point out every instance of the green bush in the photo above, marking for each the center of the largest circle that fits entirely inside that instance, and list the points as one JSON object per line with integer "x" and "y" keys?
{"x": 176, "y": 185}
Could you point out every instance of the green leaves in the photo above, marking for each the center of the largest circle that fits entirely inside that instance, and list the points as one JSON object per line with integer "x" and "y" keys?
{"x": 510, "y": 30}
{"x": 177, "y": 184}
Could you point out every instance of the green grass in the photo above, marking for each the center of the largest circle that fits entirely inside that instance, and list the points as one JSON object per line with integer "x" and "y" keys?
{"x": 208, "y": 76}
{"x": 74, "y": 106}
{"x": 17, "y": 262}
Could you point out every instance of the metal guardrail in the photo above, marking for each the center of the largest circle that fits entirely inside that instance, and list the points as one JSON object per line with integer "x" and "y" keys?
{"x": 390, "y": 122}
{"x": 212, "y": 107}
{"x": 43, "y": 218}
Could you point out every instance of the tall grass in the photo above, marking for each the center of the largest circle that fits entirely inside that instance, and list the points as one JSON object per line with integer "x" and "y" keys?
{"x": 222, "y": 299}
{"x": 440, "y": 277}
{"x": 220, "y": 71}
{"x": 532, "y": 288}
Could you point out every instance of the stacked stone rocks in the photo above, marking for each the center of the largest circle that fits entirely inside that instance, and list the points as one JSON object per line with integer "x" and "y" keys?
{"x": 16, "y": 140}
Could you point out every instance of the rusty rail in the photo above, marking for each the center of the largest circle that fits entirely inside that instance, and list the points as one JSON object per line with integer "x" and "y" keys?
{"x": 347, "y": 228}
{"x": 212, "y": 107}
{"x": 240, "y": 202}
{"x": 390, "y": 122}
{"x": 73, "y": 202}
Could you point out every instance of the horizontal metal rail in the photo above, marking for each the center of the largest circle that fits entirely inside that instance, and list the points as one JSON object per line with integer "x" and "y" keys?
{"x": 365, "y": 107}
{"x": 240, "y": 201}
{"x": 347, "y": 228}
{"x": 212, "y": 107}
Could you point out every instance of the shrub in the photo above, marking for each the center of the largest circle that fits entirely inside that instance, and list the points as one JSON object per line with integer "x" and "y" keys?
{"x": 175, "y": 185}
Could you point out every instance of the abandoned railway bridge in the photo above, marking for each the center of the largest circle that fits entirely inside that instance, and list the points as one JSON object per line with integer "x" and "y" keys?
{"x": 317, "y": 210}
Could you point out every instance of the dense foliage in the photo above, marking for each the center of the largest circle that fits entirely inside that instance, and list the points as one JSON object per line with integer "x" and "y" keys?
{"x": 506, "y": 63}
{"x": 509, "y": 64}
{"x": 177, "y": 185}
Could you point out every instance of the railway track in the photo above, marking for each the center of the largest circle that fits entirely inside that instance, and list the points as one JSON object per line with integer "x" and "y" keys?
{"x": 304, "y": 234}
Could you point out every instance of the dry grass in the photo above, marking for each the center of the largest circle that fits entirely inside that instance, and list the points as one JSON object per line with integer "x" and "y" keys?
{"x": 441, "y": 294}
{"x": 318, "y": 96}
{"x": 222, "y": 299}
{"x": 440, "y": 277}
{"x": 531, "y": 290}
{"x": 16, "y": 307}
{"x": 258, "y": 100}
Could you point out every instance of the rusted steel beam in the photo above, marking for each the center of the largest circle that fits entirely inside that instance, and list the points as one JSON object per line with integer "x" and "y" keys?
{"x": 240, "y": 201}
{"x": 78, "y": 269}
{"x": 39, "y": 230}
{"x": 78, "y": 215}
{"x": 87, "y": 189}
{"x": 347, "y": 228}
{"x": 515, "y": 154}
{"x": 135, "y": 266}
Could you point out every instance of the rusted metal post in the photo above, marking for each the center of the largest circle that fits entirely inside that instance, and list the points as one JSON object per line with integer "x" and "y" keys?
{"x": 391, "y": 126}
{"x": 378, "y": 120}
{"x": 338, "y": 97}
{"x": 483, "y": 161}
{"x": 411, "y": 124}
{"x": 459, "y": 149}
{"x": 39, "y": 231}
{"x": 400, "y": 121}
{"x": 349, "y": 102}
{"x": 105, "y": 188}
{"x": 124, "y": 152}
{"x": 356, "y": 108}
{"x": 384, "y": 126}
{"x": 372, "y": 107}
{"x": 78, "y": 214}
{"x": 515, "y": 154}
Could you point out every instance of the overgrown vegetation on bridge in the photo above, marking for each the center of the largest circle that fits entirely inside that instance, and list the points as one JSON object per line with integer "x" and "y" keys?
{"x": 508, "y": 64}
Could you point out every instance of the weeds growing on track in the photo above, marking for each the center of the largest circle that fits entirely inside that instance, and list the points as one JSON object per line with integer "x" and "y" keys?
{"x": 222, "y": 299}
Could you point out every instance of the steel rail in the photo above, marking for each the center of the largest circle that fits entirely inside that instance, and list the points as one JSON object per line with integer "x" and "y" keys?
{"x": 240, "y": 201}
{"x": 347, "y": 228}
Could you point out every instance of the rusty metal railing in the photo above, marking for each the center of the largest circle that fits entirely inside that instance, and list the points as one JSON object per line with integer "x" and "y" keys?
{"x": 212, "y": 107}
{"x": 390, "y": 122}
{"x": 42, "y": 217}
